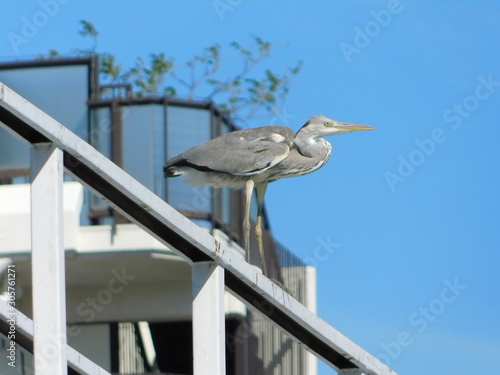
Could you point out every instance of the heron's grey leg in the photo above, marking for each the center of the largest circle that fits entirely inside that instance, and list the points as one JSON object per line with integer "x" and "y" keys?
{"x": 246, "y": 221}
{"x": 261, "y": 191}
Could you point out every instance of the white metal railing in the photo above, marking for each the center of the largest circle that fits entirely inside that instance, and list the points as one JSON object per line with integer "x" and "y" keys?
{"x": 24, "y": 334}
{"x": 214, "y": 267}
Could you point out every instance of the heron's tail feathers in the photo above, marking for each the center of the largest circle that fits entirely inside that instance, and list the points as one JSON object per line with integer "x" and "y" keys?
{"x": 172, "y": 172}
{"x": 172, "y": 167}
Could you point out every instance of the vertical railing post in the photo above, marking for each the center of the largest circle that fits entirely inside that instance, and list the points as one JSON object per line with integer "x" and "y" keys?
{"x": 209, "y": 350}
{"x": 49, "y": 295}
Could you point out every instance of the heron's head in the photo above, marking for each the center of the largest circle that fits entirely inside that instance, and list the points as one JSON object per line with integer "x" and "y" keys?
{"x": 320, "y": 126}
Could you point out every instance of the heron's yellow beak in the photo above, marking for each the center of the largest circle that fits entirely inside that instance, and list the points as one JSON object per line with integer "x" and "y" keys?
{"x": 353, "y": 127}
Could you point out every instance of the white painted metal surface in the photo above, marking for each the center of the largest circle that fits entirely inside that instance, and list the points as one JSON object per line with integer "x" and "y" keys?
{"x": 209, "y": 353}
{"x": 356, "y": 371}
{"x": 49, "y": 302}
{"x": 312, "y": 304}
{"x": 191, "y": 242}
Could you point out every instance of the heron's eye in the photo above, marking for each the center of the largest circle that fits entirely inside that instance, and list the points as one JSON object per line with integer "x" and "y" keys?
{"x": 328, "y": 123}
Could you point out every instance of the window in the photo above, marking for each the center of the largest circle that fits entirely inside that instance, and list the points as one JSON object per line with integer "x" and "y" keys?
{"x": 100, "y": 138}
{"x": 143, "y": 144}
{"x": 187, "y": 127}
{"x": 61, "y": 90}
{"x": 225, "y": 193}
{"x": 100, "y": 130}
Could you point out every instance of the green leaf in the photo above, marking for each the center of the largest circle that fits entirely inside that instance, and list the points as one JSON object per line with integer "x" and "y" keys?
{"x": 170, "y": 91}
{"x": 273, "y": 80}
{"x": 88, "y": 29}
{"x": 297, "y": 68}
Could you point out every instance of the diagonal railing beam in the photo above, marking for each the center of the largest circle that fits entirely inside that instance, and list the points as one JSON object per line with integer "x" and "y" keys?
{"x": 159, "y": 219}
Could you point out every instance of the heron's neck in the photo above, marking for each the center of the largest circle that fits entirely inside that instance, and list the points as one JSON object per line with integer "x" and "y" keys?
{"x": 307, "y": 144}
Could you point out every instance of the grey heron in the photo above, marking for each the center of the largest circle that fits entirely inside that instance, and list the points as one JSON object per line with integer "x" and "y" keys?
{"x": 254, "y": 158}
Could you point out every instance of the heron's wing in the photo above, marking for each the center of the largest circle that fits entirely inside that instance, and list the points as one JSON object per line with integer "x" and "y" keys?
{"x": 244, "y": 152}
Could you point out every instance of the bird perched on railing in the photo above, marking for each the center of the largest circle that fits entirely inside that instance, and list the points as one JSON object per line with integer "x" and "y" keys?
{"x": 256, "y": 157}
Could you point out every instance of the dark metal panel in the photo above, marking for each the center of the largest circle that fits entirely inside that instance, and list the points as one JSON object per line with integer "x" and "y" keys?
{"x": 46, "y": 63}
{"x": 21, "y": 339}
{"x": 116, "y": 134}
{"x": 20, "y": 127}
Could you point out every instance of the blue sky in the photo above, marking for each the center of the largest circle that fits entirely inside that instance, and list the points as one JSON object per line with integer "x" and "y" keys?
{"x": 402, "y": 223}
